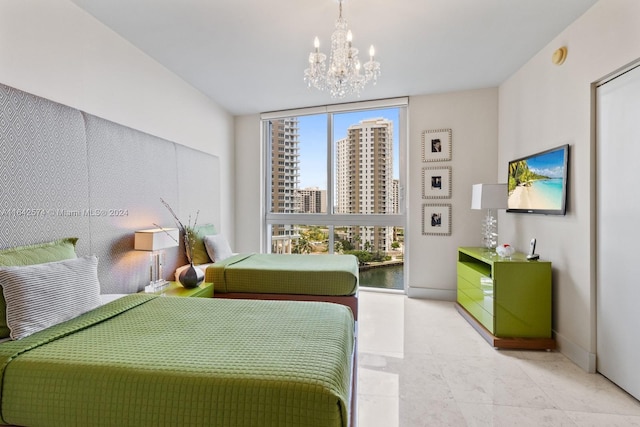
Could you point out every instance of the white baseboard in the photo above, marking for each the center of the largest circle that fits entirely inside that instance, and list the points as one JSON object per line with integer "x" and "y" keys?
{"x": 578, "y": 355}
{"x": 430, "y": 293}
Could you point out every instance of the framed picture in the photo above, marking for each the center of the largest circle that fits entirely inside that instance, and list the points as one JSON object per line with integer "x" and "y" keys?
{"x": 436, "y": 220}
{"x": 436, "y": 182}
{"x": 436, "y": 145}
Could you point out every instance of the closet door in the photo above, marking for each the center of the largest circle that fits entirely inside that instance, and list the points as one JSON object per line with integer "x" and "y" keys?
{"x": 618, "y": 230}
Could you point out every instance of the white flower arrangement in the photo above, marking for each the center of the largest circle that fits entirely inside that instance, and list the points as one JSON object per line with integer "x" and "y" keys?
{"x": 505, "y": 250}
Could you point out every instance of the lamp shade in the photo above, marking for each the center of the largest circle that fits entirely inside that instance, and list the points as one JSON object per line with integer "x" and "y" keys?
{"x": 156, "y": 239}
{"x": 489, "y": 196}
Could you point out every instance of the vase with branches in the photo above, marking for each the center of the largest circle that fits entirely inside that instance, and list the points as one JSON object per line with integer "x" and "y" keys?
{"x": 190, "y": 277}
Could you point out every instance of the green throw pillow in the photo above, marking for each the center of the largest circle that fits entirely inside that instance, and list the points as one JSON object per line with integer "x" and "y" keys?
{"x": 58, "y": 250}
{"x": 199, "y": 252}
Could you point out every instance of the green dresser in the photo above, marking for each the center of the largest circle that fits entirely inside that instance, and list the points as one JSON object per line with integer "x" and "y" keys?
{"x": 507, "y": 300}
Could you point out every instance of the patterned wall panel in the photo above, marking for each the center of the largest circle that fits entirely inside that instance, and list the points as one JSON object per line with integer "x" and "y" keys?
{"x": 129, "y": 172}
{"x": 43, "y": 171}
{"x": 67, "y": 173}
{"x": 198, "y": 185}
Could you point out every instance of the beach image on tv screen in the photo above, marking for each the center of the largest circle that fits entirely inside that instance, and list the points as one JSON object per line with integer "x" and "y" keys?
{"x": 537, "y": 182}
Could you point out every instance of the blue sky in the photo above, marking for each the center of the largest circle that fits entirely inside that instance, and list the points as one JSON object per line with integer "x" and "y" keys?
{"x": 313, "y": 142}
{"x": 549, "y": 164}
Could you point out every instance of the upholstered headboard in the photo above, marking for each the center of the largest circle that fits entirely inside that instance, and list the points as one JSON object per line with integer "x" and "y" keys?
{"x": 66, "y": 173}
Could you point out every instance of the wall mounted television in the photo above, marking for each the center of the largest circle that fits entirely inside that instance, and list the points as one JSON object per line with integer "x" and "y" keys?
{"x": 538, "y": 183}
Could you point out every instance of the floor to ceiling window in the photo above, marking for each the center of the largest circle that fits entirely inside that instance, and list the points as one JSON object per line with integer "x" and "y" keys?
{"x": 335, "y": 181}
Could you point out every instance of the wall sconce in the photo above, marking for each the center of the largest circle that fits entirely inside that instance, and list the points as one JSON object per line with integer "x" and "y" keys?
{"x": 156, "y": 240}
{"x": 489, "y": 197}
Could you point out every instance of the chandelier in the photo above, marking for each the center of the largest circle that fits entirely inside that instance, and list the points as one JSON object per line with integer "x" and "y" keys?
{"x": 343, "y": 76}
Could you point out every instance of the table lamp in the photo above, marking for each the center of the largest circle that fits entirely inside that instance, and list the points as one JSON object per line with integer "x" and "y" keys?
{"x": 489, "y": 197}
{"x": 156, "y": 240}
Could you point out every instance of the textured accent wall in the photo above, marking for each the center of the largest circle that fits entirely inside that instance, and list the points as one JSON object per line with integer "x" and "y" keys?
{"x": 67, "y": 173}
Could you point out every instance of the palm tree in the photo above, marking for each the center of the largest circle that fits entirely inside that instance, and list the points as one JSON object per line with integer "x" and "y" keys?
{"x": 302, "y": 246}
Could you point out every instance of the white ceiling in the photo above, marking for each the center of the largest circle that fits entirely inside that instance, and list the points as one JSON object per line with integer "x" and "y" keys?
{"x": 249, "y": 55}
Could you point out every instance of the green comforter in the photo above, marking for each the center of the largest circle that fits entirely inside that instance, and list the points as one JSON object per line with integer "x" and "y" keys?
{"x": 335, "y": 275}
{"x": 163, "y": 361}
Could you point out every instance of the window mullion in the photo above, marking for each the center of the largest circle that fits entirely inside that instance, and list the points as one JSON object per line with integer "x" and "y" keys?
{"x": 330, "y": 183}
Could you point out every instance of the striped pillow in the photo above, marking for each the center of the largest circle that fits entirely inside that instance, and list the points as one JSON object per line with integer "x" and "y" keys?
{"x": 57, "y": 250}
{"x": 42, "y": 295}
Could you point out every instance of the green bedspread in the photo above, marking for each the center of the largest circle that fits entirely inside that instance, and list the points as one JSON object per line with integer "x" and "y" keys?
{"x": 335, "y": 275}
{"x": 165, "y": 361}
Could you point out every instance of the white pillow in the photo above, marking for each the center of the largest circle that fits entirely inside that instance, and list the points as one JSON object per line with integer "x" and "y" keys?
{"x": 217, "y": 247}
{"x": 42, "y": 295}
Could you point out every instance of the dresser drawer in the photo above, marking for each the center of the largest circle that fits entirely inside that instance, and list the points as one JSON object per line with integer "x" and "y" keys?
{"x": 481, "y": 295}
{"x": 476, "y": 310}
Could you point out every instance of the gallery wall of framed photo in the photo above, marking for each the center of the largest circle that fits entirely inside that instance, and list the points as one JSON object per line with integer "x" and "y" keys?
{"x": 436, "y": 182}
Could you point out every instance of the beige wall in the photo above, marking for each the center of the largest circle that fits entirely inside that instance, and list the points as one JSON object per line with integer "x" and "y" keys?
{"x": 473, "y": 118}
{"x": 53, "y": 49}
{"x": 542, "y": 106}
{"x": 250, "y": 175}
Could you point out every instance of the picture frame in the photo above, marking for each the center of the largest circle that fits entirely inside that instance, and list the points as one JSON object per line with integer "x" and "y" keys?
{"x": 436, "y": 219}
{"x": 436, "y": 182}
{"x": 436, "y": 145}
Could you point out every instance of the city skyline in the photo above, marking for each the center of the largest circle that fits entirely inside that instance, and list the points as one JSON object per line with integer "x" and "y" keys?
{"x": 313, "y": 142}
{"x": 362, "y": 163}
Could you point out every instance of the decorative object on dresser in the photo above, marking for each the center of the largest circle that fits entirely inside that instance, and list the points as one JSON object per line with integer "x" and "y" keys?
{"x": 508, "y": 301}
{"x": 489, "y": 197}
{"x": 506, "y": 251}
{"x": 156, "y": 240}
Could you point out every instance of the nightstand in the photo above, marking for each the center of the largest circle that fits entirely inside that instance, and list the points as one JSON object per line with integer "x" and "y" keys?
{"x": 175, "y": 289}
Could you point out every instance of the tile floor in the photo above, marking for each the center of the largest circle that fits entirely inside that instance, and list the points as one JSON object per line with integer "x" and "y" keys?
{"x": 422, "y": 364}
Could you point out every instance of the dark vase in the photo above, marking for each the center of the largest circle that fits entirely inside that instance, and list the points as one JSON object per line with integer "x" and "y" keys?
{"x": 191, "y": 277}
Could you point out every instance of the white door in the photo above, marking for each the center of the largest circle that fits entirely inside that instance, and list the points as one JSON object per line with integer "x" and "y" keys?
{"x": 618, "y": 230}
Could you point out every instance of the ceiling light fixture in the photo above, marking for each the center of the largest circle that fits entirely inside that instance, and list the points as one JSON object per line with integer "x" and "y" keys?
{"x": 343, "y": 76}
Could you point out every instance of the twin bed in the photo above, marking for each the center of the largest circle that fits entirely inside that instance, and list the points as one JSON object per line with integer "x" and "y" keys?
{"x": 328, "y": 278}
{"x": 151, "y": 361}
{"x": 144, "y": 360}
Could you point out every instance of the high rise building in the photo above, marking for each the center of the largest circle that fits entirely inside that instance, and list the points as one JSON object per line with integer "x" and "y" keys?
{"x": 311, "y": 200}
{"x": 395, "y": 196}
{"x": 285, "y": 178}
{"x": 364, "y": 179}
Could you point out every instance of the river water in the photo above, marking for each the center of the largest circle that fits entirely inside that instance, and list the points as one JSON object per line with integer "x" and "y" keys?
{"x": 390, "y": 277}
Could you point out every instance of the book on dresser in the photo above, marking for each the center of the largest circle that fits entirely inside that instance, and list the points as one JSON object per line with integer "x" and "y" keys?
{"x": 507, "y": 300}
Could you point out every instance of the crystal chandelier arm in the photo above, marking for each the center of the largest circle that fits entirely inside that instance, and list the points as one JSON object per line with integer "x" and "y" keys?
{"x": 342, "y": 76}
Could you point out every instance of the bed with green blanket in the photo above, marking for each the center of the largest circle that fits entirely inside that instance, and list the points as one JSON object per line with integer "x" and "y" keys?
{"x": 332, "y": 278}
{"x": 144, "y": 360}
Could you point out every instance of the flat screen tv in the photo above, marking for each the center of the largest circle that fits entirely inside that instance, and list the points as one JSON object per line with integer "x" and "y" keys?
{"x": 538, "y": 183}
